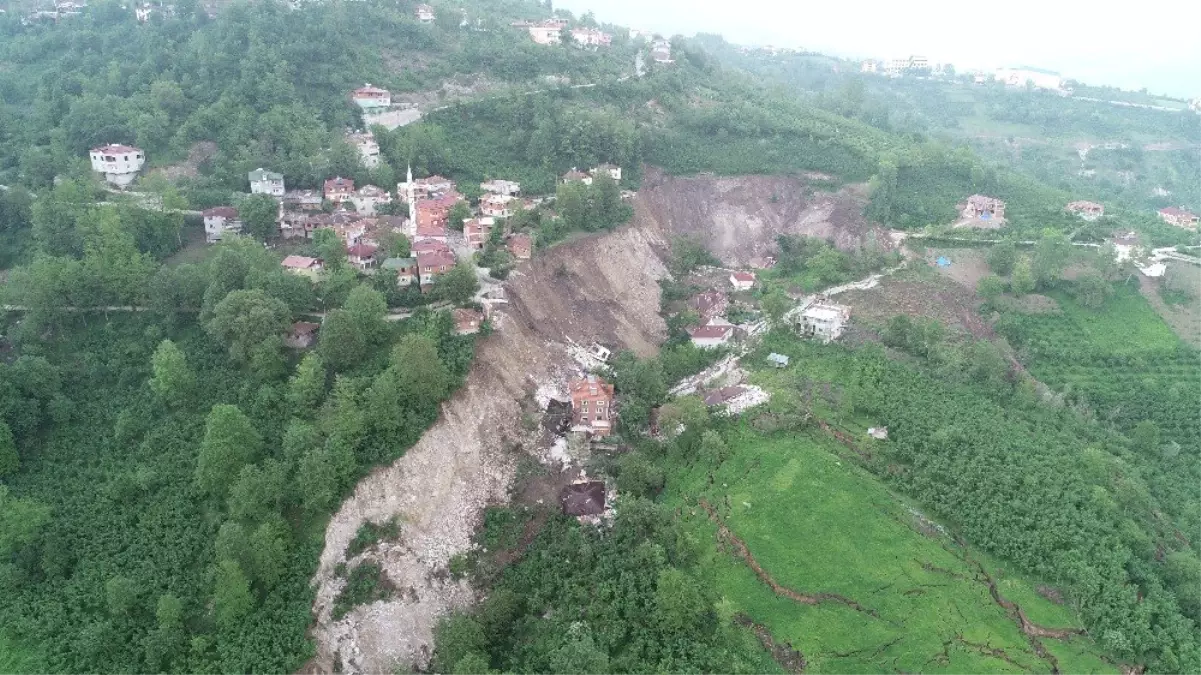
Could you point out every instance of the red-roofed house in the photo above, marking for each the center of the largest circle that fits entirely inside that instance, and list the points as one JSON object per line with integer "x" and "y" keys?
{"x": 119, "y": 163}
{"x": 427, "y": 231}
{"x": 339, "y": 189}
{"x": 369, "y": 97}
{"x": 219, "y": 221}
{"x": 303, "y": 265}
{"x": 521, "y": 245}
{"x": 1086, "y": 210}
{"x": 476, "y": 231}
{"x": 592, "y": 405}
{"x": 1178, "y": 217}
{"x": 429, "y": 246}
{"x": 432, "y": 265}
{"x": 468, "y": 321}
{"x": 742, "y": 281}
{"x": 361, "y": 256}
{"x": 711, "y": 335}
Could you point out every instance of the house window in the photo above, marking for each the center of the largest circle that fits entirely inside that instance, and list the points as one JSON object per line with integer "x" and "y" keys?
{"x": 584, "y": 407}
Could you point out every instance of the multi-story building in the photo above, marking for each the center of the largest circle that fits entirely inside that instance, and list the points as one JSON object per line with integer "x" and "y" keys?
{"x": 119, "y": 163}
{"x": 220, "y": 221}
{"x": 592, "y": 406}
{"x": 264, "y": 182}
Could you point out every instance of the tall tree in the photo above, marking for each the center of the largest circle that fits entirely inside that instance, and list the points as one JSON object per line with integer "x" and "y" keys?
{"x": 230, "y": 442}
{"x": 245, "y": 319}
{"x": 172, "y": 379}
{"x": 10, "y": 461}
{"x": 231, "y": 594}
{"x": 258, "y": 214}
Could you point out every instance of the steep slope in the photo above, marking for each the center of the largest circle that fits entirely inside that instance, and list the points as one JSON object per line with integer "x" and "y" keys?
{"x": 738, "y": 218}
{"x": 601, "y": 288}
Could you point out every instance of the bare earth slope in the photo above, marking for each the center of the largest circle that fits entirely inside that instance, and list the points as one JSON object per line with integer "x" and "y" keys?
{"x": 738, "y": 218}
{"x": 595, "y": 288}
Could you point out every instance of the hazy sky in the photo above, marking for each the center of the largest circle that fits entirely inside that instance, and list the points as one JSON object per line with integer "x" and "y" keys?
{"x": 1149, "y": 43}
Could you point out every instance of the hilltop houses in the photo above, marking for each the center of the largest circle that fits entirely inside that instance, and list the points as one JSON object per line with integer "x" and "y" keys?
{"x": 1178, "y": 217}
{"x": 433, "y": 264}
{"x": 592, "y": 406}
{"x": 982, "y": 208}
{"x": 1086, "y": 210}
{"x": 361, "y": 255}
{"x": 575, "y": 175}
{"x": 219, "y": 221}
{"x": 264, "y": 182}
{"x": 371, "y": 99}
{"x": 364, "y": 142}
{"x": 120, "y": 164}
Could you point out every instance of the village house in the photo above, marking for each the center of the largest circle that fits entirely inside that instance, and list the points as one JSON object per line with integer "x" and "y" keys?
{"x": 361, "y": 256}
{"x": 219, "y": 221}
{"x": 497, "y": 206}
{"x": 476, "y": 231}
{"x": 709, "y": 304}
{"x": 142, "y": 12}
{"x": 576, "y": 175}
{"x": 429, "y": 246}
{"x": 430, "y": 231}
{"x": 777, "y": 360}
{"x": 364, "y": 142}
{"x": 264, "y": 182}
{"x": 765, "y": 262}
{"x": 868, "y": 67}
{"x": 549, "y": 32}
{"x": 502, "y": 187}
{"x": 294, "y": 224}
{"x": 468, "y": 321}
{"x": 1126, "y": 247}
{"x": 1035, "y": 77}
{"x": 1178, "y": 217}
{"x": 302, "y": 335}
{"x": 613, "y": 170}
{"x": 303, "y": 266}
{"x": 984, "y": 208}
{"x": 425, "y": 188}
{"x": 120, "y": 164}
{"x": 583, "y": 499}
{"x": 823, "y": 321}
{"x": 878, "y": 433}
{"x": 371, "y": 98}
{"x": 711, "y": 334}
{"x": 405, "y": 270}
{"x": 742, "y": 281}
{"x": 338, "y": 189}
{"x": 1086, "y": 210}
{"x": 432, "y": 265}
{"x": 592, "y": 406}
{"x": 425, "y": 14}
{"x": 661, "y": 52}
{"x": 521, "y": 246}
{"x": 302, "y": 200}
{"x": 591, "y": 37}
{"x": 367, "y": 198}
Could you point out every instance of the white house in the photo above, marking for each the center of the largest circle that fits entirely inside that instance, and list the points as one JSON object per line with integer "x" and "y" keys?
{"x": 824, "y": 321}
{"x": 742, "y": 281}
{"x": 371, "y": 98}
{"x": 496, "y": 206}
{"x": 613, "y": 171}
{"x": 501, "y": 187}
{"x": 712, "y": 334}
{"x": 368, "y": 149}
{"x": 590, "y": 37}
{"x": 263, "y": 182}
{"x": 547, "y": 32}
{"x": 219, "y": 221}
{"x": 119, "y": 163}
{"x": 368, "y": 197}
{"x": 1036, "y": 77}
{"x": 425, "y": 14}
{"x": 868, "y": 67}
{"x": 142, "y": 12}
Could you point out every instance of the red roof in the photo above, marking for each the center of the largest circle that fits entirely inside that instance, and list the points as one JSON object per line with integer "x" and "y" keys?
{"x": 227, "y": 212}
{"x": 362, "y": 250}
{"x": 744, "y": 276}
{"x": 429, "y": 246}
{"x": 300, "y": 262}
{"x": 590, "y": 387}
{"x": 710, "y": 332}
{"x": 435, "y": 259}
{"x": 1176, "y": 212}
{"x": 372, "y": 92}
{"x": 339, "y": 184}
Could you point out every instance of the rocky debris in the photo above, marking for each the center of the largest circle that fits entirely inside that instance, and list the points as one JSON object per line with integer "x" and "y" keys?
{"x": 597, "y": 289}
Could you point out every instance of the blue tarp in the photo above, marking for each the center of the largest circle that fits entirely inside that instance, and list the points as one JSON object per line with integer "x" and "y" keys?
{"x": 943, "y": 261}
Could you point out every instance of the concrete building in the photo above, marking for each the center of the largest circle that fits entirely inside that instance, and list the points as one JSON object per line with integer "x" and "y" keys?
{"x": 371, "y": 99}
{"x": 982, "y": 207}
{"x": 120, "y": 164}
{"x": 1086, "y": 210}
{"x": 303, "y": 266}
{"x": 591, "y": 37}
{"x": 264, "y": 182}
{"x": 592, "y": 406}
{"x": 425, "y": 14}
{"x": 823, "y": 321}
{"x": 338, "y": 189}
{"x": 613, "y": 170}
{"x": 711, "y": 335}
{"x": 220, "y": 221}
{"x": 508, "y": 188}
{"x": 405, "y": 269}
{"x": 742, "y": 281}
{"x": 549, "y": 32}
{"x": 369, "y": 197}
{"x": 497, "y": 206}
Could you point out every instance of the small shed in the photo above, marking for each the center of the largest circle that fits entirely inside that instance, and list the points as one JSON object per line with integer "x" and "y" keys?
{"x": 583, "y": 499}
{"x": 878, "y": 433}
{"x": 777, "y": 360}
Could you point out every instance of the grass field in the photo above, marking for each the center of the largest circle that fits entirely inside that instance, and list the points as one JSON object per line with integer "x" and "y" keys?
{"x": 817, "y": 524}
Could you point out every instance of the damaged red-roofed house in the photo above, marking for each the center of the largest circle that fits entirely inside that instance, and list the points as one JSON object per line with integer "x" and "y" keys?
{"x": 592, "y": 406}
{"x": 711, "y": 334}
{"x": 468, "y": 321}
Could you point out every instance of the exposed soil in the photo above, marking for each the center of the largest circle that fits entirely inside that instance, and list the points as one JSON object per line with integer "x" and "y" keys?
{"x": 198, "y": 154}
{"x": 925, "y": 295}
{"x": 968, "y": 266}
{"x": 789, "y": 659}
{"x": 601, "y": 288}
{"x": 738, "y": 218}
{"x": 1185, "y": 319}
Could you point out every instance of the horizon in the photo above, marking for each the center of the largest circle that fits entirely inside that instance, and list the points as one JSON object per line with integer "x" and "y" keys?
{"x": 1097, "y": 48}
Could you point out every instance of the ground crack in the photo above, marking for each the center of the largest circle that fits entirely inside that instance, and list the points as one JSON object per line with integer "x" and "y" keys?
{"x": 784, "y": 654}
{"x": 726, "y": 536}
